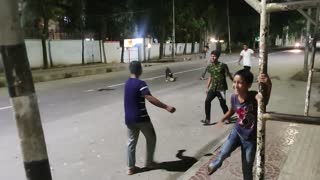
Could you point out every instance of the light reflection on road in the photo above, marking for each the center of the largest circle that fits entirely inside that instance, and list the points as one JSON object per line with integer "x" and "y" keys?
{"x": 295, "y": 51}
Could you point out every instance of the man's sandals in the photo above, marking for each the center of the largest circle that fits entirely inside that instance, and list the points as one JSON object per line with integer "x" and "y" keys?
{"x": 205, "y": 122}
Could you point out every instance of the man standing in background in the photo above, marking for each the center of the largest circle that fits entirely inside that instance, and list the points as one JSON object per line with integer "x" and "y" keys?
{"x": 246, "y": 54}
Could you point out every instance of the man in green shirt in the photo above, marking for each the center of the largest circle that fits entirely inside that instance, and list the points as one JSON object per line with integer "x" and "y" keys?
{"x": 217, "y": 84}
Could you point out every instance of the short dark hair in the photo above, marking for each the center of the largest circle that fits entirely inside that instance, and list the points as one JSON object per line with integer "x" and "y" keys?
{"x": 135, "y": 68}
{"x": 216, "y": 53}
{"x": 246, "y": 75}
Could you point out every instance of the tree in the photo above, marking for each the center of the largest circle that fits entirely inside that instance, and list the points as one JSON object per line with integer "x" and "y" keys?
{"x": 44, "y": 10}
{"x": 189, "y": 22}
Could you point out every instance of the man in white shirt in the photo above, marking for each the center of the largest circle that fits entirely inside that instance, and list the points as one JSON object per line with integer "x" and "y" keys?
{"x": 246, "y": 54}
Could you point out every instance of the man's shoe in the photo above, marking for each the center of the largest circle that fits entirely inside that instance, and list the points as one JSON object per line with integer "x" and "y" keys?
{"x": 211, "y": 170}
{"x": 205, "y": 122}
{"x": 132, "y": 171}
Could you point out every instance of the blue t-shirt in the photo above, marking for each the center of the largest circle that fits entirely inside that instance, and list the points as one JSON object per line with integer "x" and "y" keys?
{"x": 246, "y": 125}
{"x": 134, "y": 101}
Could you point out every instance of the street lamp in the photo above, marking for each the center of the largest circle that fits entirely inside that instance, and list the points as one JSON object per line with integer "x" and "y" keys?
{"x": 173, "y": 31}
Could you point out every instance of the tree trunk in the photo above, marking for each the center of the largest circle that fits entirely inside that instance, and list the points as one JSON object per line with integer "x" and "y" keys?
{"x": 82, "y": 32}
{"x": 162, "y": 37}
{"x": 22, "y": 93}
{"x": 44, "y": 36}
{"x": 201, "y": 42}
{"x": 104, "y": 53}
{"x": 306, "y": 47}
{"x": 193, "y": 41}
{"x": 49, "y": 51}
{"x": 100, "y": 49}
{"x": 161, "y": 50}
{"x": 82, "y": 47}
{"x": 122, "y": 50}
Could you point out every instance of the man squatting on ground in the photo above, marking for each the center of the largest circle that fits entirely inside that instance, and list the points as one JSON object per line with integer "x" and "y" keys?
{"x": 244, "y": 133}
{"x": 216, "y": 85}
{"x": 137, "y": 118}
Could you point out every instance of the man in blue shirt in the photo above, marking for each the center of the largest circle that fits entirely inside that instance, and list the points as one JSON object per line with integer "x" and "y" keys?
{"x": 137, "y": 118}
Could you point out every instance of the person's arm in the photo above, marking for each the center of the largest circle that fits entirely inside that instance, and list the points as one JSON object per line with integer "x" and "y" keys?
{"x": 228, "y": 73}
{"x": 209, "y": 83}
{"x": 226, "y": 116}
{"x": 240, "y": 58}
{"x": 264, "y": 79}
{"x": 153, "y": 100}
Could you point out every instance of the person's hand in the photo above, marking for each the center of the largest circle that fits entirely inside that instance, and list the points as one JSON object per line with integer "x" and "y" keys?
{"x": 220, "y": 124}
{"x": 171, "y": 109}
{"x": 207, "y": 90}
{"x": 264, "y": 78}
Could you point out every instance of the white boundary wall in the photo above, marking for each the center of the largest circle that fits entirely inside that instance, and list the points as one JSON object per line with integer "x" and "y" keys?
{"x": 68, "y": 52}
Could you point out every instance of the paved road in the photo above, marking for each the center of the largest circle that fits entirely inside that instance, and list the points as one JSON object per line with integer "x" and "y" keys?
{"x": 84, "y": 127}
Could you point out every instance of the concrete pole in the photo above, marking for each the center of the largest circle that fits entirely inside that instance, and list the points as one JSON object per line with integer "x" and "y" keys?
{"x": 22, "y": 93}
{"x": 313, "y": 54}
{"x": 229, "y": 33}
{"x": 173, "y": 31}
{"x": 306, "y": 47}
{"x": 263, "y": 60}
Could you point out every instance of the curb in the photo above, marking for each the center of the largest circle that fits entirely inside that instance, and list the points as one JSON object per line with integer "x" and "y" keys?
{"x": 56, "y": 74}
{"x": 218, "y": 142}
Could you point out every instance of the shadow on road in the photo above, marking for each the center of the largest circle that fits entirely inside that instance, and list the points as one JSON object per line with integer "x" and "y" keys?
{"x": 181, "y": 165}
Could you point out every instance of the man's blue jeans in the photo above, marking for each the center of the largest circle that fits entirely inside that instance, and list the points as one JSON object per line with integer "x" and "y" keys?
{"x": 133, "y": 135}
{"x": 248, "y": 151}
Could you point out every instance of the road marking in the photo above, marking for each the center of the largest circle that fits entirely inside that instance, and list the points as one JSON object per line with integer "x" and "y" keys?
{"x": 7, "y": 107}
{"x": 115, "y": 85}
{"x": 156, "y": 77}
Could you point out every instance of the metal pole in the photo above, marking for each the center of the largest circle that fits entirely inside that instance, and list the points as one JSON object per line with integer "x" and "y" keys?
{"x": 22, "y": 93}
{"x": 292, "y": 118}
{"x": 261, "y": 124}
{"x": 173, "y": 32}
{"x": 310, "y": 75}
{"x": 306, "y": 48}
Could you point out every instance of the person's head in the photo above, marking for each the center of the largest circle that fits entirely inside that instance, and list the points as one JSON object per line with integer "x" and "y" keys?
{"x": 215, "y": 55}
{"x": 245, "y": 47}
{"x": 135, "y": 68}
{"x": 242, "y": 81}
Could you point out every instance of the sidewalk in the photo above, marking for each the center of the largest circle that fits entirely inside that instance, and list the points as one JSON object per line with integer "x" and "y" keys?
{"x": 291, "y": 149}
{"x": 41, "y": 75}
{"x": 291, "y": 154}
